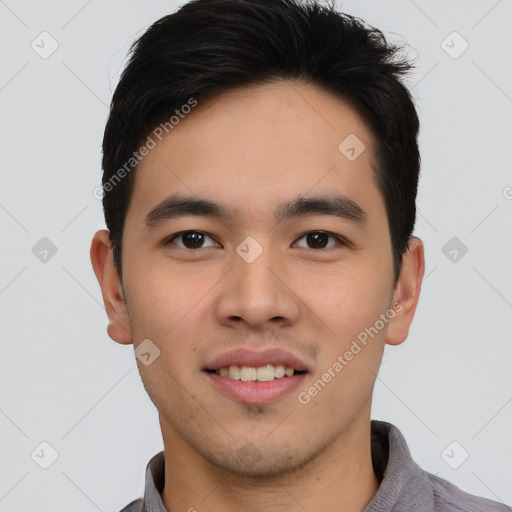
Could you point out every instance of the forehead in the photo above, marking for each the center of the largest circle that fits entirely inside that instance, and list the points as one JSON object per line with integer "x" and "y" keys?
{"x": 255, "y": 144}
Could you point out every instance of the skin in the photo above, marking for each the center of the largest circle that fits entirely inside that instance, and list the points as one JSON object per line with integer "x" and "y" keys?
{"x": 251, "y": 149}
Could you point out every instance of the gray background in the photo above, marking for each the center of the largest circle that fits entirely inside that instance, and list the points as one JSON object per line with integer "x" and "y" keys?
{"x": 63, "y": 381}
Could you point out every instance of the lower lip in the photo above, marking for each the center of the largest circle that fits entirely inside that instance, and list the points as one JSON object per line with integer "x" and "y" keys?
{"x": 256, "y": 392}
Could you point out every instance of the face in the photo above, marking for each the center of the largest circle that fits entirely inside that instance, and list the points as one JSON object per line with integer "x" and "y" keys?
{"x": 311, "y": 282}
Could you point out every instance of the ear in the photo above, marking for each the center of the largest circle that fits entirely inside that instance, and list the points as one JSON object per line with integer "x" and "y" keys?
{"x": 103, "y": 264}
{"x": 407, "y": 292}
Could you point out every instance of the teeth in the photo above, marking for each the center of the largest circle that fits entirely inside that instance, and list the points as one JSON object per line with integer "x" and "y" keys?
{"x": 278, "y": 371}
{"x": 265, "y": 373}
{"x": 249, "y": 374}
{"x": 234, "y": 372}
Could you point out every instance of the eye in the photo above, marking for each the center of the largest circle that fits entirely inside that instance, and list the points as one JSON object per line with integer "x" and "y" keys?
{"x": 319, "y": 239}
{"x": 190, "y": 239}
{"x": 195, "y": 239}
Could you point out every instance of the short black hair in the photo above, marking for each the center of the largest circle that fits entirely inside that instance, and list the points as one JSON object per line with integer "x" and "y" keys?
{"x": 209, "y": 47}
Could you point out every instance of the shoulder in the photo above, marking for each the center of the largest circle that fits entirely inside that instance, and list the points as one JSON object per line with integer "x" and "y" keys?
{"x": 449, "y": 498}
{"x": 134, "y": 506}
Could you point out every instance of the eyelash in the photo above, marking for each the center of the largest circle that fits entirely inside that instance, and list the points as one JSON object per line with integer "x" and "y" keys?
{"x": 169, "y": 241}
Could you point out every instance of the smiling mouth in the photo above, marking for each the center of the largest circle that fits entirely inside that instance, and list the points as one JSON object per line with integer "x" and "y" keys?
{"x": 264, "y": 373}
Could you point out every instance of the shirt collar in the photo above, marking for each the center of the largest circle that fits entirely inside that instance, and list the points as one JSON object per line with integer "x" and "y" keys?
{"x": 154, "y": 484}
{"x": 402, "y": 480}
{"x": 403, "y": 483}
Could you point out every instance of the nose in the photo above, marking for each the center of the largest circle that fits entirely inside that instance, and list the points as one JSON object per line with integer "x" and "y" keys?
{"x": 259, "y": 294}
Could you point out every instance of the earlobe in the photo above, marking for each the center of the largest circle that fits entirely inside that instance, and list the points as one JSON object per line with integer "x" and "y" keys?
{"x": 407, "y": 292}
{"x": 111, "y": 288}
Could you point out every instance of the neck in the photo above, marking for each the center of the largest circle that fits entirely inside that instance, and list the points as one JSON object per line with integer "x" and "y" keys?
{"x": 340, "y": 478}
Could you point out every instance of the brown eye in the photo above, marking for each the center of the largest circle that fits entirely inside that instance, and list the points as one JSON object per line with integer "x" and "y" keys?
{"x": 319, "y": 239}
{"x": 189, "y": 239}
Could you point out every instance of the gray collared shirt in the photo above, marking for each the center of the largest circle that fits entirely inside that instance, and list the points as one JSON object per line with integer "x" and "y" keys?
{"x": 404, "y": 486}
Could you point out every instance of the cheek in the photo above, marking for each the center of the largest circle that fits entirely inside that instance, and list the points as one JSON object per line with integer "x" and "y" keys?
{"x": 162, "y": 313}
{"x": 168, "y": 307}
{"x": 163, "y": 298}
{"x": 347, "y": 301}
{"x": 352, "y": 354}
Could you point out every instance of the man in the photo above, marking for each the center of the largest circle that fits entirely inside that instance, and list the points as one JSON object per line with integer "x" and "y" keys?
{"x": 260, "y": 175}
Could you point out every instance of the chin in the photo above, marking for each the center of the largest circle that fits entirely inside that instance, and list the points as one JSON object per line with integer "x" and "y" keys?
{"x": 261, "y": 462}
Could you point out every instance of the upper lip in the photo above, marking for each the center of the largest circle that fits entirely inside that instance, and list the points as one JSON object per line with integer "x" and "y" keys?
{"x": 246, "y": 357}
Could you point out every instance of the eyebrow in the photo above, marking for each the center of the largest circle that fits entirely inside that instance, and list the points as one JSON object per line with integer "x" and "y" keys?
{"x": 176, "y": 206}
